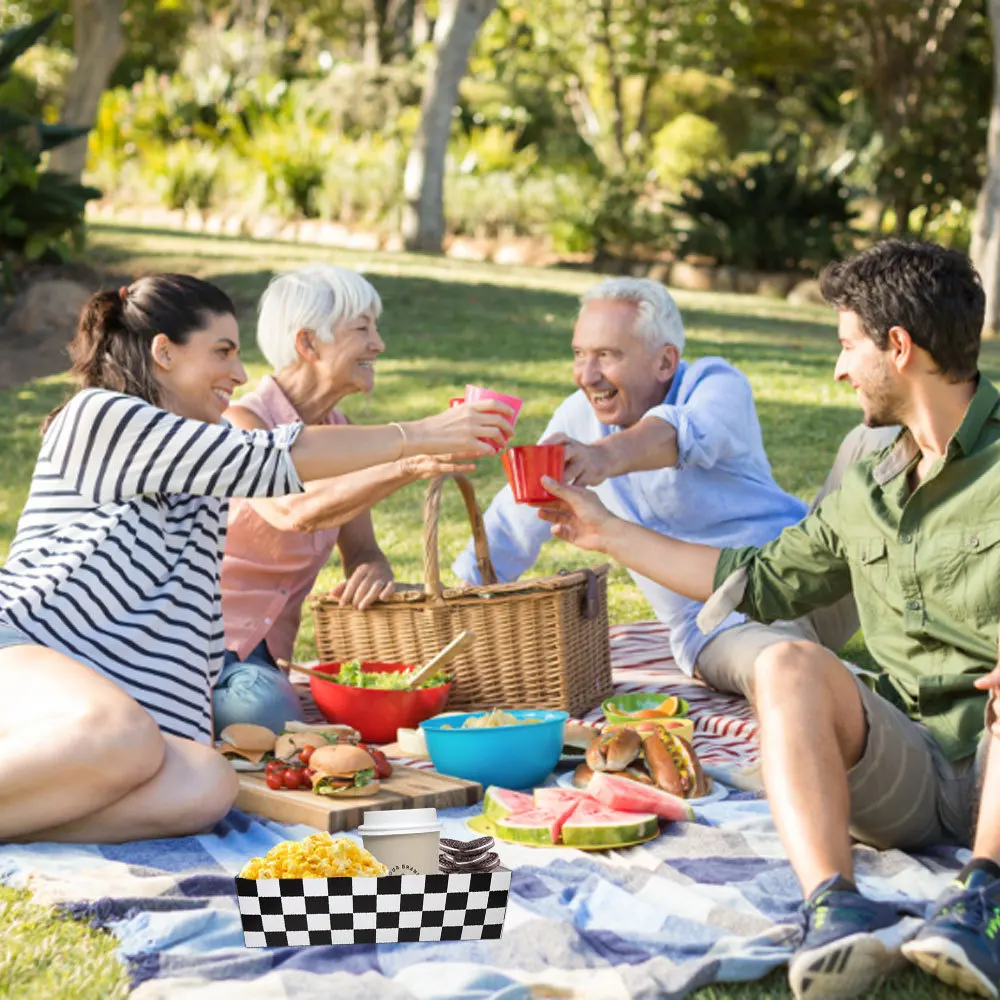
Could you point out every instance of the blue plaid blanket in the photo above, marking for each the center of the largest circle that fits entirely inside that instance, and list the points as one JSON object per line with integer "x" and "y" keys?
{"x": 710, "y": 901}
{"x": 704, "y": 902}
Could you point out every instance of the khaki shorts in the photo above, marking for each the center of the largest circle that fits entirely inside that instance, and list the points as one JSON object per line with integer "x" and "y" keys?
{"x": 904, "y": 792}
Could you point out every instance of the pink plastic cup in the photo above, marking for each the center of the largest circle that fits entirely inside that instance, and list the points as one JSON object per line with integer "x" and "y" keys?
{"x": 473, "y": 393}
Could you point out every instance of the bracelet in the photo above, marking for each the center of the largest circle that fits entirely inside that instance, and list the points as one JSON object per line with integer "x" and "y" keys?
{"x": 399, "y": 427}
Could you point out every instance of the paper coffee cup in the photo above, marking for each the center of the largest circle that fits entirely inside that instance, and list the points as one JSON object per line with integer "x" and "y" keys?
{"x": 406, "y": 841}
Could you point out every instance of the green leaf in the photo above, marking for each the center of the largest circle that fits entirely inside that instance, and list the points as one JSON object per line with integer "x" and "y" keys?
{"x": 14, "y": 43}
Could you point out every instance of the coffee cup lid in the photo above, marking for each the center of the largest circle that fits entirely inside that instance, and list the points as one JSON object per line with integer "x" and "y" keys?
{"x": 390, "y": 821}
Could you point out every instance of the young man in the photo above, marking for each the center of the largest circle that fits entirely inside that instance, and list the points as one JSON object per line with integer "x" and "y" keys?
{"x": 915, "y": 531}
{"x": 676, "y": 447}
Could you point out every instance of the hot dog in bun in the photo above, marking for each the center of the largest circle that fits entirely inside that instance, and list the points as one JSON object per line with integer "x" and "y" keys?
{"x": 614, "y": 750}
{"x": 674, "y": 765}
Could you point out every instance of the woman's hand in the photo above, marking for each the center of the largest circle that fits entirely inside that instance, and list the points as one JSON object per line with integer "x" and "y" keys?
{"x": 579, "y": 518}
{"x": 418, "y": 467}
{"x": 991, "y": 683}
{"x": 467, "y": 431}
{"x": 369, "y": 582}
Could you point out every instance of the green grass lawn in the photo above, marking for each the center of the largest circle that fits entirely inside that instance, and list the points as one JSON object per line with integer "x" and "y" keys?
{"x": 447, "y": 323}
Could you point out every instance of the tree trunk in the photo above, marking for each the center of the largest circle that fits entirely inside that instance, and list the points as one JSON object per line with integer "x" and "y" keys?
{"x": 98, "y": 43}
{"x": 458, "y": 24}
{"x": 376, "y": 33}
{"x": 986, "y": 226}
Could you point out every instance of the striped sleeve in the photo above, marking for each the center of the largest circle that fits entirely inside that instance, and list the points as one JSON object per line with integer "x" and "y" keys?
{"x": 110, "y": 447}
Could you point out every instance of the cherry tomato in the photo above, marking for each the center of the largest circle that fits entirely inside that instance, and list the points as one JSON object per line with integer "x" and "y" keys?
{"x": 291, "y": 779}
{"x": 383, "y": 769}
{"x": 274, "y": 781}
{"x": 272, "y": 766}
{"x": 308, "y": 772}
{"x": 306, "y": 777}
{"x": 305, "y": 753}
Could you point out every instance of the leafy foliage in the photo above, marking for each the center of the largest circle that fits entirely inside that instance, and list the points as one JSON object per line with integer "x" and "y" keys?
{"x": 41, "y": 213}
{"x": 777, "y": 214}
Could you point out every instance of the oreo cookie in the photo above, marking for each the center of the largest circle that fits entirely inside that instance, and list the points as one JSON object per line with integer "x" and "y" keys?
{"x": 466, "y": 857}
{"x": 483, "y": 863}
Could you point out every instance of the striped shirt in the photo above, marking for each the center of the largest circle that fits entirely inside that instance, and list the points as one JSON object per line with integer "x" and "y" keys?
{"x": 118, "y": 551}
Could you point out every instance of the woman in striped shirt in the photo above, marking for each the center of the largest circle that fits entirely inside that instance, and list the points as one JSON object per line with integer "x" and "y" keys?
{"x": 110, "y": 617}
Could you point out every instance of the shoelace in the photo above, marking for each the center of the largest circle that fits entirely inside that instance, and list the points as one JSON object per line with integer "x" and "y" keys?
{"x": 969, "y": 910}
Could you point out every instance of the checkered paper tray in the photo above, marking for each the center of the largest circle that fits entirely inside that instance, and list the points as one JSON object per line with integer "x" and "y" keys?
{"x": 385, "y": 910}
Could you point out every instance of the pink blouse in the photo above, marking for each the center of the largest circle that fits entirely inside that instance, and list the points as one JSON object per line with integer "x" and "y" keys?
{"x": 267, "y": 573}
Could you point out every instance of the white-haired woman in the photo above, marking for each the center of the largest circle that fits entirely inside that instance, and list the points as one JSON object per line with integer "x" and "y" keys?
{"x": 318, "y": 330}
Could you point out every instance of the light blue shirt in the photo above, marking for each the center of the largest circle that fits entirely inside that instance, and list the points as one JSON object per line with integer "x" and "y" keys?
{"x": 720, "y": 492}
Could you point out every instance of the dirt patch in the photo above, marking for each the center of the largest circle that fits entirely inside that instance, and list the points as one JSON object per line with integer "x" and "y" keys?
{"x": 30, "y": 350}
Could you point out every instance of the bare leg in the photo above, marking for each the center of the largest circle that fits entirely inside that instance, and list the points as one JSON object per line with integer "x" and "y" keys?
{"x": 987, "y": 840}
{"x": 812, "y": 732}
{"x": 190, "y": 793}
{"x": 74, "y": 745}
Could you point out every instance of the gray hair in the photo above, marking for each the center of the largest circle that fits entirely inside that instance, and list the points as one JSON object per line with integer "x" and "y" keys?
{"x": 659, "y": 319}
{"x": 318, "y": 298}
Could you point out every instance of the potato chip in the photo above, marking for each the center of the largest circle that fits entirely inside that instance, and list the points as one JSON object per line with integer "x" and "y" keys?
{"x": 315, "y": 856}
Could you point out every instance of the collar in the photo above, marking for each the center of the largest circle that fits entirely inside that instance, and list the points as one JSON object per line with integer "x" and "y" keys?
{"x": 982, "y": 407}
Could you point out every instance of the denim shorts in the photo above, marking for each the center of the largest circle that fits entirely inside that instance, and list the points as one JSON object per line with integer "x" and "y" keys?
{"x": 10, "y": 635}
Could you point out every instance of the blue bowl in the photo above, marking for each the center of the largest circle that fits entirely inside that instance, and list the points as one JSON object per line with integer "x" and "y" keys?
{"x": 520, "y": 755}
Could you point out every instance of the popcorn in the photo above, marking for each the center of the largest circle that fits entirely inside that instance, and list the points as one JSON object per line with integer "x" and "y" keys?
{"x": 316, "y": 856}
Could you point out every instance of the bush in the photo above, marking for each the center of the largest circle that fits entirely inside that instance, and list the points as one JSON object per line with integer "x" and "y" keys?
{"x": 41, "y": 213}
{"x": 776, "y": 214}
{"x": 685, "y": 147}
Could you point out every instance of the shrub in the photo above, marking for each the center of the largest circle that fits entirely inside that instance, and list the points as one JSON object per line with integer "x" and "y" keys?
{"x": 776, "y": 214}
{"x": 41, "y": 213}
{"x": 687, "y": 146}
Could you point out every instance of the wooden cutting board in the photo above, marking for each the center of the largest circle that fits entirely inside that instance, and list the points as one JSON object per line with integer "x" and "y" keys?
{"x": 408, "y": 788}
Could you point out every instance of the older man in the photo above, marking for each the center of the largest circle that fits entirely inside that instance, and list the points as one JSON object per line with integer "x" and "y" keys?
{"x": 674, "y": 446}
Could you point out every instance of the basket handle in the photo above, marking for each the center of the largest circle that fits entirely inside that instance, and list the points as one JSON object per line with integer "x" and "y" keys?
{"x": 432, "y": 512}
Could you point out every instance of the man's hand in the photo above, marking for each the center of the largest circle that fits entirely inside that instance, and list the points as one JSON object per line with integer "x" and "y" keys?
{"x": 579, "y": 517}
{"x": 586, "y": 464}
{"x": 991, "y": 683}
{"x": 369, "y": 582}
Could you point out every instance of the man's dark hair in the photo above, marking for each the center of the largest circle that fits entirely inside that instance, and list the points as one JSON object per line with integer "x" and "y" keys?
{"x": 933, "y": 293}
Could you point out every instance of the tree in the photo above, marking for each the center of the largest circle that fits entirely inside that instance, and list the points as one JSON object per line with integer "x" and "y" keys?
{"x": 456, "y": 28}
{"x": 986, "y": 227}
{"x": 98, "y": 43}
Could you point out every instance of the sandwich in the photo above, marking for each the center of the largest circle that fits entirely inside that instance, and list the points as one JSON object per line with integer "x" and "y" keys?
{"x": 243, "y": 739}
{"x": 577, "y": 739}
{"x": 343, "y": 770}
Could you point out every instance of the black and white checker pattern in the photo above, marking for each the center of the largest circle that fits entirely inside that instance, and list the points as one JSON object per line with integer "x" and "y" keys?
{"x": 393, "y": 908}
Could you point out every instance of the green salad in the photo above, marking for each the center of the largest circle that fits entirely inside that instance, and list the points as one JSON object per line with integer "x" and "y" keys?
{"x": 351, "y": 675}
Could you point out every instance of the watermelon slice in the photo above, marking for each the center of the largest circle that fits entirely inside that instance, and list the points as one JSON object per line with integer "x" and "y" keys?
{"x": 546, "y": 798}
{"x": 499, "y": 802}
{"x": 536, "y": 826}
{"x": 597, "y": 826}
{"x": 631, "y": 796}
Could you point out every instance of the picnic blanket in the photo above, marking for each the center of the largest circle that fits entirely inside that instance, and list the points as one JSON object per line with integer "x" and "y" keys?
{"x": 704, "y": 902}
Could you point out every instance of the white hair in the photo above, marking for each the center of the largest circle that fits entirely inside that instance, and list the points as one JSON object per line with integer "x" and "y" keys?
{"x": 318, "y": 297}
{"x": 659, "y": 319}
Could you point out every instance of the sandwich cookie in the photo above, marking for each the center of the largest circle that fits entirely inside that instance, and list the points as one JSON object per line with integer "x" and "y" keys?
{"x": 467, "y": 857}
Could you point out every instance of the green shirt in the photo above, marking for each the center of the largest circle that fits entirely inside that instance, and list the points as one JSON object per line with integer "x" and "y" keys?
{"x": 924, "y": 567}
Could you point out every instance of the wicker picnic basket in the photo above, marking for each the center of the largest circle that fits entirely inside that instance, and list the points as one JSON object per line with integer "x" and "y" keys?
{"x": 540, "y": 643}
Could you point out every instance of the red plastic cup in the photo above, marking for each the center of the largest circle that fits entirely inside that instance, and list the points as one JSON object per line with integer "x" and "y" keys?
{"x": 473, "y": 393}
{"x": 459, "y": 401}
{"x": 525, "y": 466}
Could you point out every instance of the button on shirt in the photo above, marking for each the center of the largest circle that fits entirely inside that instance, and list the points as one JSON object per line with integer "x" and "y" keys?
{"x": 924, "y": 566}
{"x": 721, "y": 492}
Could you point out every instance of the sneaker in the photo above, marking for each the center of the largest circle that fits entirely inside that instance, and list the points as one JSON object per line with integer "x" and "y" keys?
{"x": 850, "y": 944}
{"x": 960, "y": 942}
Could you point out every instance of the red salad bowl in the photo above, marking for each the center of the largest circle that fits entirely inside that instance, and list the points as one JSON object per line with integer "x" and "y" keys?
{"x": 525, "y": 466}
{"x": 375, "y": 713}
